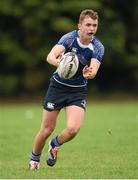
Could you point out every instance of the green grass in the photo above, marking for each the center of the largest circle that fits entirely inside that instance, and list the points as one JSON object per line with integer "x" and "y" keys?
{"x": 106, "y": 147}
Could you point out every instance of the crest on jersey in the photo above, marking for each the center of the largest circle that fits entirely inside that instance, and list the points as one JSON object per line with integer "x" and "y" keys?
{"x": 74, "y": 50}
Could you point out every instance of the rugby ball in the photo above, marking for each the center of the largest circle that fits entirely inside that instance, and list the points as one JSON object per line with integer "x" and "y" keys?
{"x": 68, "y": 65}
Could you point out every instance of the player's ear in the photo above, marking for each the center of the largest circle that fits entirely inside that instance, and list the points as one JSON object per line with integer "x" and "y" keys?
{"x": 79, "y": 26}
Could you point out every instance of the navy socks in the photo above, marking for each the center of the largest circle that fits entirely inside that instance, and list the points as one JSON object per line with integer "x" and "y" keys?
{"x": 54, "y": 142}
{"x": 35, "y": 157}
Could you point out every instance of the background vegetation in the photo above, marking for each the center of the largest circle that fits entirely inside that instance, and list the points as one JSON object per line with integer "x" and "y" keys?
{"x": 29, "y": 29}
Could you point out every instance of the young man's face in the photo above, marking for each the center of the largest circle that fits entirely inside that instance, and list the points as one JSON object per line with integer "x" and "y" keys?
{"x": 88, "y": 27}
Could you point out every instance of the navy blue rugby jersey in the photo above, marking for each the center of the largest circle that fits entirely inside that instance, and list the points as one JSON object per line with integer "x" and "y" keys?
{"x": 85, "y": 53}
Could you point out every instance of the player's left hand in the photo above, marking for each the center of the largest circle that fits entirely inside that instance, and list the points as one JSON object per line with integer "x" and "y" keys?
{"x": 87, "y": 72}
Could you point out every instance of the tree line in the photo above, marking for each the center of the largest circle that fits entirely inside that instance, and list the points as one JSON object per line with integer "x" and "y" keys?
{"x": 29, "y": 29}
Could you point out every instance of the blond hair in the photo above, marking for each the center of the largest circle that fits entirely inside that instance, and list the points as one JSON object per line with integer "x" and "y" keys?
{"x": 88, "y": 12}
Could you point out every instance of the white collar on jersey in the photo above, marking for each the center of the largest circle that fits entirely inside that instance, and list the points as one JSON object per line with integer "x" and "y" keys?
{"x": 90, "y": 45}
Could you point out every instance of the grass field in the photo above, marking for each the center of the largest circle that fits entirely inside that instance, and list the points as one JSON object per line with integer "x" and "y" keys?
{"x": 106, "y": 147}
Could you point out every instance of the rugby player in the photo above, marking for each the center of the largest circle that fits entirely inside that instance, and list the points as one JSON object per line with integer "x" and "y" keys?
{"x": 69, "y": 94}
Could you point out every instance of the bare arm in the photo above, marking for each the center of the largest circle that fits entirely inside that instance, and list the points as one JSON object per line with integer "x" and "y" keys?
{"x": 53, "y": 57}
{"x": 91, "y": 71}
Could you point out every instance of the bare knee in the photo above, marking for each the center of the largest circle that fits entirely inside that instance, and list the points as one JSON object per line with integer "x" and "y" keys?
{"x": 73, "y": 131}
{"x": 46, "y": 132}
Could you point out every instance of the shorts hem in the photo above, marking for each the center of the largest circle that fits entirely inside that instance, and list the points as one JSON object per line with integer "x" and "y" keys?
{"x": 76, "y": 105}
{"x": 50, "y": 110}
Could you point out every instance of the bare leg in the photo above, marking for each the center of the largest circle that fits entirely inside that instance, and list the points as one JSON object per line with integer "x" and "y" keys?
{"x": 47, "y": 127}
{"x": 75, "y": 116}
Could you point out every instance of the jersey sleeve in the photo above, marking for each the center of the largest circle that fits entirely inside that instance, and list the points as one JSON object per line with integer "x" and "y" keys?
{"x": 98, "y": 51}
{"x": 66, "y": 40}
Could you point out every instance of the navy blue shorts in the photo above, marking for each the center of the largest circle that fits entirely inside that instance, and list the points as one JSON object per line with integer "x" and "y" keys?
{"x": 59, "y": 96}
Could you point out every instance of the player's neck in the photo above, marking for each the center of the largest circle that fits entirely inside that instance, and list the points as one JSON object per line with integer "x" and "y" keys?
{"x": 85, "y": 41}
